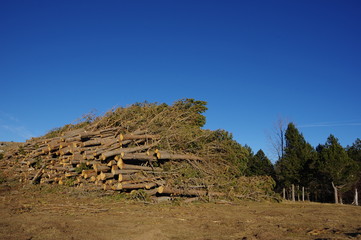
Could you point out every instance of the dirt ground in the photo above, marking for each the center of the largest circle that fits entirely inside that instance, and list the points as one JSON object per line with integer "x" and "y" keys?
{"x": 54, "y": 212}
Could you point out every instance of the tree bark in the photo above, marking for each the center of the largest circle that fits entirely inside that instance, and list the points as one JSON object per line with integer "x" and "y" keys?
{"x": 303, "y": 194}
{"x": 113, "y": 153}
{"x": 356, "y": 197}
{"x": 104, "y": 176}
{"x": 162, "y": 155}
{"x": 136, "y": 137}
{"x": 335, "y": 193}
{"x": 101, "y": 168}
{"x": 121, "y": 186}
{"x": 88, "y": 173}
{"x": 138, "y": 156}
{"x": 122, "y": 165}
{"x": 38, "y": 175}
{"x": 186, "y": 192}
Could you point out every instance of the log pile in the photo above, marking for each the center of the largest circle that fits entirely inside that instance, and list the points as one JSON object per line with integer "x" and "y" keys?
{"x": 107, "y": 159}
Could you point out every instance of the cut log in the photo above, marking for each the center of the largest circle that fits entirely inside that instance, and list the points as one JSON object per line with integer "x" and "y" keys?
{"x": 37, "y": 176}
{"x": 64, "y": 151}
{"x": 76, "y": 156}
{"x": 162, "y": 155}
{"x": 127, "y": 150}
{"x": 138, "y": 156}
{"x": 151, "y": 192}
{"x": 65, "y": 169}
{"x": 122, "y": 165}
{"x": 101, "y": 168}
{"x": 95, "y": 142}
{"x": 121, "y": 186}
{"x": 116, "y": 171}
{"x": 88, "y": 173}
{"x": 104, "y": 176}
{"x": 70, "y": 174}
{"x": 111, "y": 163}
{"x": 125, "y": 177}
{"x": 136, "y": 137}
{"x": 186, "y": 192}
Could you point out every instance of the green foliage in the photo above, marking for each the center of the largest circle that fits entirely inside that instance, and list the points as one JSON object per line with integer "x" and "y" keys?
{"x": 1, "y": 156}
{"x": 197, "y": 107}
{"x": 69, "y": 182}
{"x": 138, "y": 195}
{"x": 354, "y": 151}
{"x": 253, "y": 188}
{"x": 83, "y": 122}
{"x": 55, "y": 132}
{"x": 82, "y": 167}
{"x": 336, "y": 164}
{"x": 180, "y": 129}
{"x": 21, "y": 151}
{"x": 260, "y": 165}
{"x": 290, "y": 168}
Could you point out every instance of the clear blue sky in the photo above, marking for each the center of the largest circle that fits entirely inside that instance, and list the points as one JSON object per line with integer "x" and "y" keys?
{"x": 252, "y": 61}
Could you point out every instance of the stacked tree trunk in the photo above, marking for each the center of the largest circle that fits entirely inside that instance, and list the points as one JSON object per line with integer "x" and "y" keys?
{"x": 108, "y": 159}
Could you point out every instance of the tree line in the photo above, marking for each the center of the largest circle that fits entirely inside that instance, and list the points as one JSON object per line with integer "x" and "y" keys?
{"x": 329, "y": 172}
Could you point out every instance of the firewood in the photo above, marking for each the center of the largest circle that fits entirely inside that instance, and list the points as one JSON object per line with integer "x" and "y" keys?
{"x": 65, "y": 151}
{"x": 121, "y": 186}
{"x": 138, "y": 156}
{"x": 77, "y": 156}
{"x": 124, "y": 177}
{"x": 126, "y": 150}
{"x": 116, "y": 171}
{"x": 95, "y": 142}
{"x": 162, "y": 155}
{"x": 186, "y": 192}
{"x": 101, "y": 168}
{"x": 65, "y": 169}
{"x": 88, "y": 173}
{"x": 70, "y": 174}
{"x": 151, "y": 192}
{"x": 105, "y": 176}
{"x": 136, "y": 137}
{"x": 38, "y": 175}
{"x": 111, "y": 163}
{"x": 122, "y": 165}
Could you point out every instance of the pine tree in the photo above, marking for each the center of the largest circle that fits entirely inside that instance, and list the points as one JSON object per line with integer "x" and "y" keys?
{"x": 339, "y": 168}
{"x": 291, "y": 168}
{"x": 354, "y": 151}
{"x": 260, "y": 165}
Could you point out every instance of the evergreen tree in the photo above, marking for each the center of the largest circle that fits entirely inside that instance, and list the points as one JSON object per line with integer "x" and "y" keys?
{"x": 260, "y": 165}
{"x": 298, "y": 153}
{"x": 354, "y": 151}
{"x": 337, "y": 166}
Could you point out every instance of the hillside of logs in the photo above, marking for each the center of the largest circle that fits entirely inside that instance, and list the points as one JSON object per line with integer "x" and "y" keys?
{"x": 105, "y": 159}
{"x": 158, "y": 150}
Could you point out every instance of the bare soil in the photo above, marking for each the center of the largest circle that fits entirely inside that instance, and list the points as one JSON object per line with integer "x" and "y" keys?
{"x": 56, "y": 212}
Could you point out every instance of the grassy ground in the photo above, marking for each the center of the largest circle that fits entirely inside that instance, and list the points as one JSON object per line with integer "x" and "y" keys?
{"x": 35, "y": 212}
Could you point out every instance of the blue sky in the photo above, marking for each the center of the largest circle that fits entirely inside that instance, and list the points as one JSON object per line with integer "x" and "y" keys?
{"x": 252, "y": 61}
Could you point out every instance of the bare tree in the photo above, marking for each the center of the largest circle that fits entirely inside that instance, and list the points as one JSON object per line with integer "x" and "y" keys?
{"x": 277, "y": 137}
